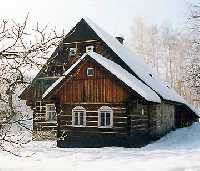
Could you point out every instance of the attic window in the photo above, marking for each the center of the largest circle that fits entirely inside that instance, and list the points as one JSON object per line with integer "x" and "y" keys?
{"x": 89, "y": 49}
{"x": 72, "y": 51}
{"x": 90, "y": 72}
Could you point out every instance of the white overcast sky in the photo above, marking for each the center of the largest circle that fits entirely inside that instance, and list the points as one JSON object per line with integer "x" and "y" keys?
{"x": 115, "y": 16}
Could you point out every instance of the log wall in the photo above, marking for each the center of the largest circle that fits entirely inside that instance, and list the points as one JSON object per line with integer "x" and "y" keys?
{"x": 42, "y": 129}
{"x": 162, "y": 119}
{"x": 138, "y": 113}
{"x": 119, "y": 120}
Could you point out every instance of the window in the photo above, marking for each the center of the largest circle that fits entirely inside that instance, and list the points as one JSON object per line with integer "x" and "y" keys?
{"x": 78, "y": 116}
{"x": 40, "y": 107}
{"x": 51, "y": 112}
{"x": 89, "y": 49}
{"x": 72, "y": 51}
{"x": 90, "y": 72}
{"x": 105, "y": 117}
{"x": 142, "y": 110}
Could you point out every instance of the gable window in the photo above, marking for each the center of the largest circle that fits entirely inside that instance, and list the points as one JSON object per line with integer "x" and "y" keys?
{"x": 51, "y": 112}
{"x": 90, "y": 72}
{"x": 89, "y": 49}
{"x": 78, "y": 116}
{"x": 105, "y": 117}
{"x": 72, "y": 51}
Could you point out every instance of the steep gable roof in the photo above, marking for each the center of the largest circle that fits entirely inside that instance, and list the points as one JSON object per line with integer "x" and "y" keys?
{"x": 116, "y": 70}
{"x": 136, "y": 65}
{"x": 128, "y": 61}
{"x": 81, "y": 32}
{"x": 142, "y": 71}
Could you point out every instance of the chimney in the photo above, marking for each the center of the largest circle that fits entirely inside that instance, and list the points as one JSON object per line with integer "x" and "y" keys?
{"x": 120, "y": 39}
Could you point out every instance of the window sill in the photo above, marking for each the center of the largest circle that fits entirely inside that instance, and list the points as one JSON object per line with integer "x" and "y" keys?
{"x": 52, "y": 122}
{"x": 105, "y": 126}
{"x": 79, "y": 126}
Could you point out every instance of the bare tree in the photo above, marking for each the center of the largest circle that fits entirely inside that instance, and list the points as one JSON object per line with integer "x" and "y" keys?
{"x": 192, "y": 66}
{"x": 21, "y": 49}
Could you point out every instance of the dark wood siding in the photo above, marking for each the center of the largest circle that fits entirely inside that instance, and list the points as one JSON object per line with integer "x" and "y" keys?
{"x": 161, "y": 119}
{"x": 138, "y": 114}
{"x": 100, "y": 88}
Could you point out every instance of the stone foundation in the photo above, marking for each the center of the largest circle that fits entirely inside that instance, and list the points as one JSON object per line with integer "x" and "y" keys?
{"x": 43, "y": 135}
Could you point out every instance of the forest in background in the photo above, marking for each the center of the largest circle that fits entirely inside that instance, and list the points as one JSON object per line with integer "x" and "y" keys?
{"x": 173, "y": 53}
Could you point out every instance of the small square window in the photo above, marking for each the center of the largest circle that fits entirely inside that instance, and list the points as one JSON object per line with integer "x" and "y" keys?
{"x": 39, "y": 107}
{"x": 72, "y": 51}
{"x": 90, "y": 72}
{"x": 89, "y": 49}
{"x": 38, "y": 103}
{"x": 43, "y": 108}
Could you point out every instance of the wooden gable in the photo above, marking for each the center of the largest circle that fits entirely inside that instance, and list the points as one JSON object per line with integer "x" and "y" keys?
{"x": 103, "y": 87}
{"x": 80, "y": 36}
{"x": 60, "y": 58}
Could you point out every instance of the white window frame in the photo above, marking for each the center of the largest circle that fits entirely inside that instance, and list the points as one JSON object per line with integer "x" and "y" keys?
{"x": 142, "y": 110}
{"x": 105, "y": 109}
{"x": 72, "y": 51}
{"x": 78, "y": 109}
{"x": 40, "y": 106}
{"x": 49, "y": 112}
{"x": 89, "y": 75}
{"x": 89, "y": 48}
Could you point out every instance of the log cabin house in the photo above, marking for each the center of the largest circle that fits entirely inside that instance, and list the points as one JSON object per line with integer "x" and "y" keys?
{"x": 94, "y": 92}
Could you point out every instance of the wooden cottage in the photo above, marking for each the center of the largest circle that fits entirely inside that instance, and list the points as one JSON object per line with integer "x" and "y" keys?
{"x": 94, "y": 92}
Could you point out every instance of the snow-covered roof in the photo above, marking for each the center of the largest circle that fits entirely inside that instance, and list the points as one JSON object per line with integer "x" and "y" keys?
{"x": 116, "y": 70}
{"x": 61, "y": 78}
{"x": 138, "y": 66}
{"x": 154, "y": 87}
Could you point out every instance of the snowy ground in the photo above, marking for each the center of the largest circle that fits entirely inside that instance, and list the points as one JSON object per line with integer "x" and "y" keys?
{"x": 179, "y": 150}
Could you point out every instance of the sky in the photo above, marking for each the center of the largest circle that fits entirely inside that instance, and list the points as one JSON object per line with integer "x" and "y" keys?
{"x": 115, "y": 16}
